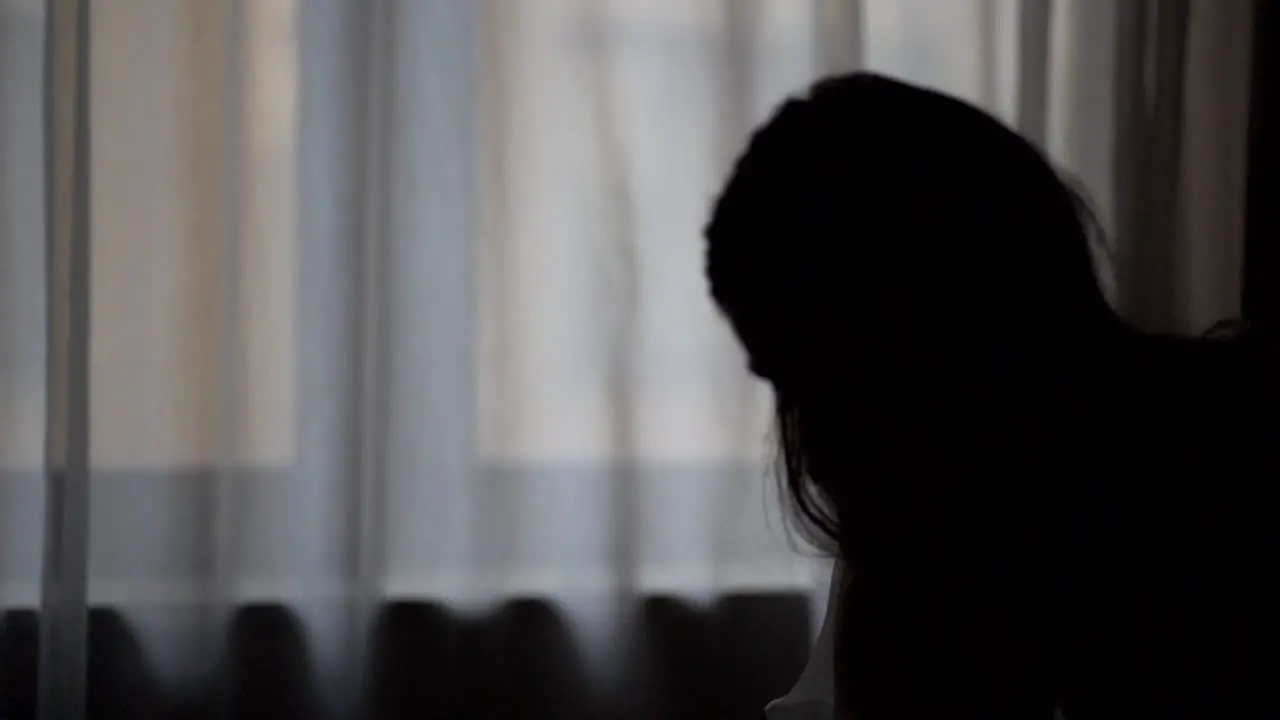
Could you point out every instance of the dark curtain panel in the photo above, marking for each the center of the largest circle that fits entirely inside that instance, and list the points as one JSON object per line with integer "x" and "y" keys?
{"x": 1262, "y": 234}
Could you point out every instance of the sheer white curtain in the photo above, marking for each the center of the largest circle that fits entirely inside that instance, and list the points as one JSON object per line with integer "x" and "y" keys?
{"x": 404, "y": 298}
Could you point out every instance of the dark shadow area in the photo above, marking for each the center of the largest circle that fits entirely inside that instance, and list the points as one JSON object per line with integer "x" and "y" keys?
{"x": 725, "y": 662}
{"x": 417, "y": 671}
{"x": 121, "y": 685}
{"x": 677, "y": 661}
{"x": 19, "y": 655}
{"x": 518, "y": 661}
{"x": 268, "y": 667}
{"x": 763, "y": 646}
{"x": 524, "y": 664}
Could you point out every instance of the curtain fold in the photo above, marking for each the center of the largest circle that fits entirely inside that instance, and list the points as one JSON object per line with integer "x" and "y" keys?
{"x": 64, "y": 577}
{"x": 1261, "y": 222}
{"x": 399, "y": 305}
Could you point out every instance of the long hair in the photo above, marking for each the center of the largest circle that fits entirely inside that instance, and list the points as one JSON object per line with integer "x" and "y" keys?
{"x": 810, "y": 510}
{"x": 879, "y": 214}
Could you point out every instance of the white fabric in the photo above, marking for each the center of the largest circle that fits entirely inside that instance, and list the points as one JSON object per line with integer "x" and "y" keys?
{"x": 403, "y": 298}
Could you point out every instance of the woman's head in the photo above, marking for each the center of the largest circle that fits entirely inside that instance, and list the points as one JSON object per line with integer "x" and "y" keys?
{"x": 883, "y": 245}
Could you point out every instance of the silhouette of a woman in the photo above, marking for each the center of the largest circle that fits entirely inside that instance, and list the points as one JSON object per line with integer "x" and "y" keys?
{"x": 1039, "y": 506}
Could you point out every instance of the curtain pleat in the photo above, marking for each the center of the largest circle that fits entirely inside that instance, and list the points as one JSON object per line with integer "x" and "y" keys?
{"x": 1033, "y": 69}
{"x": 368, "y": 494}
{"x": 63, "y": 606}
{"x": 1150, "y": 74}
{"x": 225, "y": 53}
{"x": 840, "y": 45}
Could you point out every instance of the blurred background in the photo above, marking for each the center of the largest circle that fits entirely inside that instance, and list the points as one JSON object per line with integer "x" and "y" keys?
{"x": 356, "y": 361}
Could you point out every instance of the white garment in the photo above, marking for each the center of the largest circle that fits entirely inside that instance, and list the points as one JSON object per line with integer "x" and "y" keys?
{"x": 813, "y": 696}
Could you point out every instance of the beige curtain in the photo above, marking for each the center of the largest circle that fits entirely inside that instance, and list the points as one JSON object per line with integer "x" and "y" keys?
{"x": 349, "y": 302}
